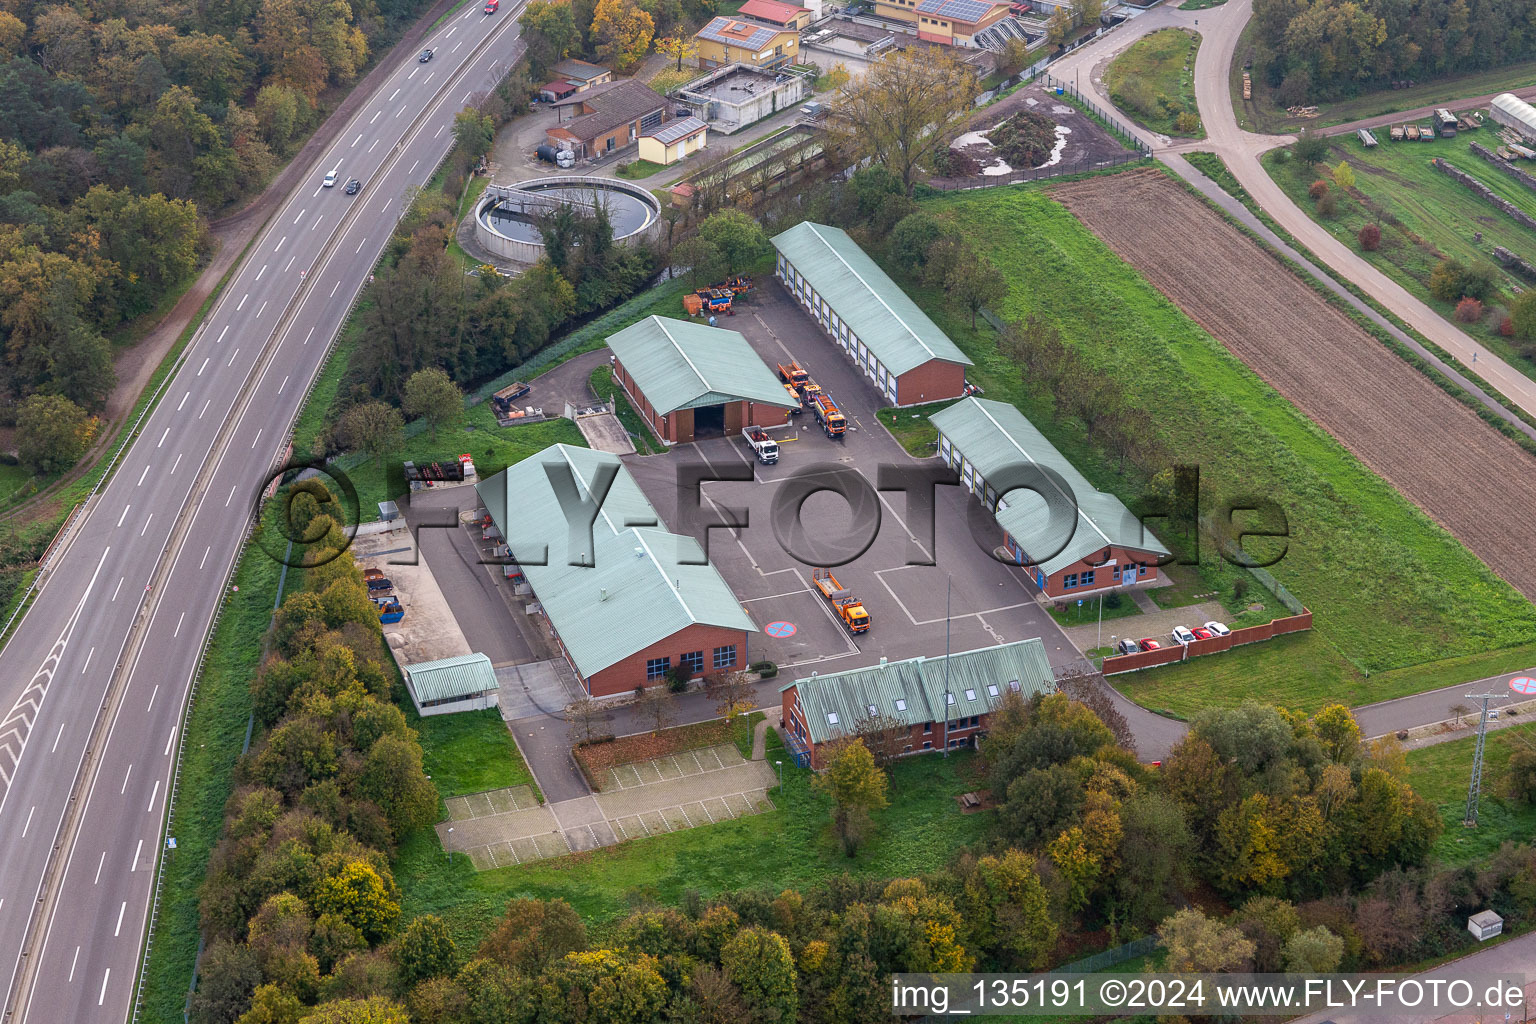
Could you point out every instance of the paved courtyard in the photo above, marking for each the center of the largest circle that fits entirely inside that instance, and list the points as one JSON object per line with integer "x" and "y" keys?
{"x": 686, "y": 790}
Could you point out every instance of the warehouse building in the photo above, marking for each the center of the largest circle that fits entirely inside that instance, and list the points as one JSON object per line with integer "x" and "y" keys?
{"x": 1108, "y": 548}
{"x": 937, "y": 703}
{"x": 641, "y": 601}
{"x": 668, "y": 143}
{"x": 893, "y": 342}
{"x": 463, "y": 683}
{"x": 689, "y": 381}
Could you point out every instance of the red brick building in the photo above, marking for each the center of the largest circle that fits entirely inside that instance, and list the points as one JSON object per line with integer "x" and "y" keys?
{"x": 869, "y": 317}
{"x": 1075, "y": 539}
{"x": 634, "y": 602}
{"x": 606, "y": 118}
{"x": 933, "y": 704}
{"x": 689, "y": 381}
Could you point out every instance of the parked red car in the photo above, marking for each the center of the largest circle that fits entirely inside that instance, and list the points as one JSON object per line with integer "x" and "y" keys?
{"x": 1201, "y": 633}
{"x": 1149, "y": 644}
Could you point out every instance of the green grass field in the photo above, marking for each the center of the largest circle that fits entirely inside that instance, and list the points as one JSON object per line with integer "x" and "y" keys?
{"x": 494, "y": 448}
{"x": 789, "y": 846}
{"x": 1440, "y": 774}
{"x": 469, "y": 752}
{"x": 1153, "y": 81}
{"x": 1435, "y": 216}
{"x": 1390, "y": 590}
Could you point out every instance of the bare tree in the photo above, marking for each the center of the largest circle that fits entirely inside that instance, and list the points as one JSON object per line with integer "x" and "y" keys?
{"x": 735, "y": 693}
{"x": 1088, "y": 688}
{"x": 656, "y": 705}
{"x": 584, "y": 714}
{"x": 884, "y": 735}
{"x": 1129, "y": 434}
{"x": 1460, "y": 711}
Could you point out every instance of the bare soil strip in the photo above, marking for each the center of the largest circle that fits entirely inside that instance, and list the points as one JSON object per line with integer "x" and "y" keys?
{"x": 1463, "y": 473}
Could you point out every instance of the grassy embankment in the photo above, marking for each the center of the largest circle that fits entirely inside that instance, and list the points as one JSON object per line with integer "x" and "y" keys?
{"x": 1423, "y": 215}
{"x": 1440, "y": 774}
{"x": 1375, "y": 571}
{"x": 1153, "y": 81}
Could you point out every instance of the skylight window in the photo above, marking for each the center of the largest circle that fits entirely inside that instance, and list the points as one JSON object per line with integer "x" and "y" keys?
{"x": 901, "y": 704}
{"x": 831, "y": 717}
{"x": 970, "y": 694}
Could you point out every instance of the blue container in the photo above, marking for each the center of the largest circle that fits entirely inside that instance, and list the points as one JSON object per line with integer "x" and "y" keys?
{"x": 1059, "y": 90}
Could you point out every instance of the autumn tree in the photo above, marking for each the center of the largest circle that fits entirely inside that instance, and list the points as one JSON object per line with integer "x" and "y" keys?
{"x": 1340, "y": 734}
{"x": 734, "y": 693}
{"x": 655, "y": 705}
{"x": 393, "y": 778}
{"x": 902, "y": 112}
{"x": 1007, "y": 910}
{"x": 425, "y": 950}
{"x": 584, "y": 714}
{"x": 973, "y": 281}
{"x": 374, "y": 1009}
{"x": 700, "y": 259}
{"x": 550, "y": 30}
{"x": 432, "y": 395}
{"x": 739, "y": 239}
{"x": 760, "y": 964}
{"x": 1313, "y": 951}
{"x": 372, "y": 427}
{"x": 52, "y": 433}
{"x": 622, "y": 31}
{"x": 1059, "y": 26}
{"x": 532, "y": 934}
{"x": 473, "y": 132}
{"x": 1198, "y": 944}
{"x": 856, "y": 787}
{"x": 678, "y": 48}
{"x": 362, "y": 897}
{"x": 1344, "y": 175}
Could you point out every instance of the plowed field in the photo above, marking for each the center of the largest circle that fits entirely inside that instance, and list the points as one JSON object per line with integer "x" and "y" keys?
{"x": 1464, "y": 474}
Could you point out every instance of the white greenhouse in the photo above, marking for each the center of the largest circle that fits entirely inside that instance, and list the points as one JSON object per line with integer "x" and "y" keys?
{"x": 1513, "y": 112}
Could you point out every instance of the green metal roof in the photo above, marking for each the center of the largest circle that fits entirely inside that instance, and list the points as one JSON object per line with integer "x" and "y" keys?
{"x": 634, "y": 589}
{"x": 913, "y": 691}
{"x": 993, "y": 435}
{"x": 461, "y": 676}
{"x": 872, "y": 305}
{"x": 683, "y": 365}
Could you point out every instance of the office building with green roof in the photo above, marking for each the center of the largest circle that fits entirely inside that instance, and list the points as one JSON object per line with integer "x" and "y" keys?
{"x": 892, "y": 341}
{"x": 914, "y": 706}
{"x": 689, "y": 380}
{"x": 626, "y": 601}
{"x": 1075, "y": 539}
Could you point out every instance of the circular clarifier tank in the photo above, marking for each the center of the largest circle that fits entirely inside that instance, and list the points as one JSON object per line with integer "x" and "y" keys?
{"x": 507, "y": 215}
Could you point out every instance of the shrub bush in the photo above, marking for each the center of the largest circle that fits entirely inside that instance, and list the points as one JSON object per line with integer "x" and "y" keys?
{"x": 1445, "y": 281}
{"x": 1370, "y": 238}
{"x": 766, "y": 669}
{"x": 1507, "y": 327}
{"x": 1318, "y": 189}
{"x": 1327, "y": 206}
{"x": 1187, "y": 123}
{"x": 1522, "y": 315}
{"x": 1469, "y": 310}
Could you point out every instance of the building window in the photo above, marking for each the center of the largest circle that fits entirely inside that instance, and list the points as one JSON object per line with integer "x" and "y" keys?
{"x": 1116, "y": 574}
{"x": 1069, "y": 581}
{"x": 907, "y": 749}
{"x": 1088, "y": 577}
{"x": 1141, "y": 570}
{"x": 872, "y": 711}
{"x": 831, "y": 717}
{"x": 1014, "y": 686}
{"x": 725, "y": 657}
{"x": 927, "y": 727}
{"x": 693, "y": 661}
{"x": 927, "y": 744}
{"x": 975, "y": 721}
{"x": 991, "y": 689}
{"x": 901, "y": 704}
{"x": 970, "y": 694}
{"x": 655, "y": 668}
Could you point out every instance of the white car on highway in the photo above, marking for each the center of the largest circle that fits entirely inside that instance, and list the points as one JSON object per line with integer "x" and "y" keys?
{"x": 330, "y": 180}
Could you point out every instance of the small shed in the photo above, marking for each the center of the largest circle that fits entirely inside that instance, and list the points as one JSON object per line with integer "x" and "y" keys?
{"x": 463, "y": 683}
{"x": 1484, "y": 925}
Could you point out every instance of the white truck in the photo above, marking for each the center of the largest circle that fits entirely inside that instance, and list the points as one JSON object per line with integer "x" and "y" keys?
{"x": 767, "y": 448}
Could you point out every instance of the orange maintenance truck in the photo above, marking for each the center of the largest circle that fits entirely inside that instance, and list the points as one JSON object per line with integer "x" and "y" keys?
{"x": 849, "y": 609}
{"x": 832, "y": 420}
{"x": 794, "y": 375}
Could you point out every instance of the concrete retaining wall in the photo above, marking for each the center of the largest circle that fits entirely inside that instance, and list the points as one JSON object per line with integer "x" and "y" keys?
{"x": 498, "y": 244}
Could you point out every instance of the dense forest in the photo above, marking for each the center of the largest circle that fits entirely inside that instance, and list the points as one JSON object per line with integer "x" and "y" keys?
{"x": 1311, "y": 50}
{"x": 1302, "y": 847}
{"x": 124, "y": 124}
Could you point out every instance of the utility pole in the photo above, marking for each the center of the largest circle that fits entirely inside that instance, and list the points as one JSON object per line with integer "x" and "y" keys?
{"x": 1475, "y": 787}
{"x": 948, "y": 586}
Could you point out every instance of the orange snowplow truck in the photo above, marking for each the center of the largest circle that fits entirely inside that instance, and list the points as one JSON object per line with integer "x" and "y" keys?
{"x": 794, "y": 375}
{"x": 848, "y": 608}
{"x": 832, "y": 421}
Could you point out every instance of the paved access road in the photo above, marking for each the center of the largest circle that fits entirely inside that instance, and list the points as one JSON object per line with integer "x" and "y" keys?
{"x": 94, "y": 681}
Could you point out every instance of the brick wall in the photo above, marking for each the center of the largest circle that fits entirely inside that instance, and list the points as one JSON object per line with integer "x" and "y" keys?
{"x": 934, "y": 381}
{"x": 1103, "y": 575}
{"x": 1215, "y": 645}
{"x": 623, "y": 676}
{"x": 935, "y": 732}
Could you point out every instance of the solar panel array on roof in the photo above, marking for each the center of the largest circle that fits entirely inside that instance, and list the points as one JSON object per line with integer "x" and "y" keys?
{"x": 960, "y": 10}
{"x": 672, "y": 131}
{"x": 730, "y": 32}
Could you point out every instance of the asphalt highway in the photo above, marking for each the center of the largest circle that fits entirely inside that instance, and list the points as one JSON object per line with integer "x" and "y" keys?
{"x": 94, "y": 683}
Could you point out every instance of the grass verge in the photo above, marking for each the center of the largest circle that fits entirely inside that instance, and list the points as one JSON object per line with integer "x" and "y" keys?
{"x": 1440, "y": 775}
{"x": 791, "y": 845}
{"x": 1153, "y": 81}
{"x": 470, "y": 752}
{"x": 605, "y": 387}
{"x": 637, "y": 168}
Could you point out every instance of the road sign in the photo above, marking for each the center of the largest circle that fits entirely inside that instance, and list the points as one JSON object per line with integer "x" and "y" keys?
{"x": 780, "y": 630}
{"x": 1523, "y": 685}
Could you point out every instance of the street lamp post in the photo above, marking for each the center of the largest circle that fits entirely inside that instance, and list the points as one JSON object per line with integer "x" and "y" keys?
{"x": 780, "y": 766}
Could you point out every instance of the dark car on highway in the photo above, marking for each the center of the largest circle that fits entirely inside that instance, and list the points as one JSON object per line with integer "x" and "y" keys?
{"x": 426, "y": 55}
{"x": 353, "y": 186}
